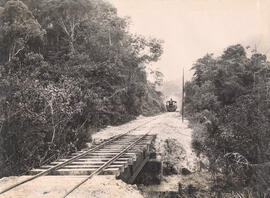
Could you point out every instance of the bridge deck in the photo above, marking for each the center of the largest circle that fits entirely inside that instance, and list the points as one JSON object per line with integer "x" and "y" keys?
{"x": 126, "y": 167}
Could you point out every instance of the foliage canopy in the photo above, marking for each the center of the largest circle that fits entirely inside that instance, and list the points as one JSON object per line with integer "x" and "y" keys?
{"x": 229, "y": 96}
{"x": 67, "y": 67}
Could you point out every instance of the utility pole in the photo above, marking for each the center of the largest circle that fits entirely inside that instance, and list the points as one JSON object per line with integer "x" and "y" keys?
{"x": 183, "y": 93}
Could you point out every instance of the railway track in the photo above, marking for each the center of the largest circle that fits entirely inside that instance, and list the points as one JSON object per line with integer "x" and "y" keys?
{"x": 112, "y": 156}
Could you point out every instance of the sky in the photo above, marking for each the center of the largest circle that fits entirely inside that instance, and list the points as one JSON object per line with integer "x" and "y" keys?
{"x": 192, "y": 28}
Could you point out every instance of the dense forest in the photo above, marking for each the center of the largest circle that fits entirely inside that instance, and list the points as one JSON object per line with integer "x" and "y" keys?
{"x": 228, "y": 103}
{"x": 67, "y": 68}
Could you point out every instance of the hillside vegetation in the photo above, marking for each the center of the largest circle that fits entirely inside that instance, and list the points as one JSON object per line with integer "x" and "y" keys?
{"x": 228, "y": 103}
{"x": 67, "y": 67}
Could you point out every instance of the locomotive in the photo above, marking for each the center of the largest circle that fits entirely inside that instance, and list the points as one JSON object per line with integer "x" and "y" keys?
{"x": 171, "y": 105}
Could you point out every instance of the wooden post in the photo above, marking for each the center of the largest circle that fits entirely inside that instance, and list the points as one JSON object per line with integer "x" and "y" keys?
{"x": 183, "y": 93}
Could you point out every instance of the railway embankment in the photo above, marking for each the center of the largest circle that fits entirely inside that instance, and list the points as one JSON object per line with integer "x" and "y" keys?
{"x": 175, "y": 160}
{"x": 173, "y": 168}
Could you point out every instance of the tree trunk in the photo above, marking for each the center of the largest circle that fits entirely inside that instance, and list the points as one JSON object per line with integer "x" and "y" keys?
{"x": 71, "y": 45}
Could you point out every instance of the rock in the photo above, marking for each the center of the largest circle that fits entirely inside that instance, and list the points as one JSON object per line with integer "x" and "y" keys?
{"x": 191, "y": 189}
{"x": 185, "y": 171}
{"x": 180, "y": 188}
{"x": 153, "y": 155}
{"x": 169, "y": 169}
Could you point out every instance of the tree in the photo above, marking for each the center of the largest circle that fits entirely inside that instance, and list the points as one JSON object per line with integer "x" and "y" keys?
{"x": 82, "y": 72}
{"x": 67, "y": 15}
{"x": 228, "y": 96}
{"x": 19, "y": 30}
{"x": 74, "y": 69}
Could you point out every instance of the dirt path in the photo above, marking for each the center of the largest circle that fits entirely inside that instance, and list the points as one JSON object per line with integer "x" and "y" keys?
{"x": 173, "y": 143}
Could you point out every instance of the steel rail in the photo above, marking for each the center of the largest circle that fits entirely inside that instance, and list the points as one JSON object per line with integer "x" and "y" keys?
{"x": 73, "y": 158}
{"x": 105, "y": 165}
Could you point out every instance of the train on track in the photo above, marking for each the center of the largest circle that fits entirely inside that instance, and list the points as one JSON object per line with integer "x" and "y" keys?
{"x": 171, "y": 105}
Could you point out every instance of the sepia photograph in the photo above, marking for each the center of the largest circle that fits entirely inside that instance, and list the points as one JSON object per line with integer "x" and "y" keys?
{"x": 134, "y": 99}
